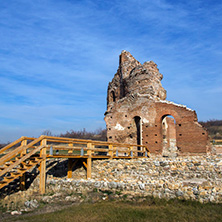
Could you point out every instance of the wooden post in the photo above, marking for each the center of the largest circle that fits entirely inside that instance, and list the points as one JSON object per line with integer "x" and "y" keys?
{"x": 22, "y": 178}
{"x": 42, "y": 167}
{"x": 89, "y": 160}
{"x": 69, "y": 173}
{"x": 71, "y": 165}
{"x": 70, "y": 150}
{"x": 110, "y": 152}
{"x": 92, "y": 152}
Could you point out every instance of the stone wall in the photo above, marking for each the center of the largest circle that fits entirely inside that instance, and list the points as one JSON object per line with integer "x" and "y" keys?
{"x": 136, "y": 108}
{"x": 191, "y": 177}
{"x": 196, "y": 178}
{"x": 218, "y": 149}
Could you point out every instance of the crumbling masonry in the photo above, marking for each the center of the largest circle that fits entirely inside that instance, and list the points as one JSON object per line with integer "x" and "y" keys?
{"x": 138, "y": 112}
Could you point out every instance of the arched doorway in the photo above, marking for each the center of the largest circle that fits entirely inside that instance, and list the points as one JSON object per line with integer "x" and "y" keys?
{"x": 138, "y": 124}
{"x": 169, "y": 136}
{"x": 113, "y": 96}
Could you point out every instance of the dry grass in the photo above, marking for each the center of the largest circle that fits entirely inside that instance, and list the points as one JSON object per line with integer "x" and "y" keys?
{"x": 150, "y": 210}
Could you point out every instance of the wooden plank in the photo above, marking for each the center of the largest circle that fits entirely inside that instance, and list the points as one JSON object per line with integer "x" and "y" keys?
{"x": 89, "y": 167}
{"x": 67, "y": 156}
{"x": 216, "y": 141}
{"x": 110, "y": 153}
{"x": 67, "y": 148}
{"x": 69, "y": 173}
{"x": 11, "y": 166}
{"x": 70, "y": 150}
{"x": 15, "y": 142}
{"x": 66, "y": 140}
{"x": 18, "y": 150}
{"x": 42, "y": 180}
{"x": 71, "y": 164}
{"x": 95, "y": 143}
{"x": 17, "y": 174}
{"x": 89, "y": 161}
{"x": 85, "y": 164}
{"x": 22, "y": 178}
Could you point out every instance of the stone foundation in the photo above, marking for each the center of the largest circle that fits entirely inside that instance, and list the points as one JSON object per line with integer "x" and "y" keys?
{"x": 196, "y": 178}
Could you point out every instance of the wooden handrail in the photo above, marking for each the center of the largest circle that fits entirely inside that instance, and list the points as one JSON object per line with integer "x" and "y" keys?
{"x": 14, "y": 143}
{"x": 21, "y": 160}
{"x": 216, "y": 141}
{"x": 94, "y": 142}
{"x": 61, "y": 140}
{"x": 18, "y": 150}
{"x": 97, "y": 143}
{"x": 88, "y": 150}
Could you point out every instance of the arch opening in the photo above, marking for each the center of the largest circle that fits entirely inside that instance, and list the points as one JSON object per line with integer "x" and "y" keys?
{"x": 113, "y": 96}
{"x": 169, "y": 136}
{"x": 138, "y": 124}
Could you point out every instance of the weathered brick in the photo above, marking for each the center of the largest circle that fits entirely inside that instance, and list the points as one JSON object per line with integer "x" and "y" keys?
{"x": 138, "y": 112}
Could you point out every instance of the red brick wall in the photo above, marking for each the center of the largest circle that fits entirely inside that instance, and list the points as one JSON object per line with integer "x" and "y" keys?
{"x": 191, "y": 137}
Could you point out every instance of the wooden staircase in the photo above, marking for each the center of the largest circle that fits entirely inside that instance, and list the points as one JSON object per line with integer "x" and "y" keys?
{"x": 17, "y": 158}
{"x": 19, "y": 170}
{"x": 26, "y": 153}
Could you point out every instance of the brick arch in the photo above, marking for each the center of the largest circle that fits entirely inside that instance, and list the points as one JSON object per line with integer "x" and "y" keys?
{"x": 168, "y": 112}
{"x": 158, "y": 123}
{"x": 190, "y": 136}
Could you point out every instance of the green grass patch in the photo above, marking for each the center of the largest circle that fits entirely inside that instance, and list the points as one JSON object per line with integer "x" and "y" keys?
{"x": 150, "y": 210}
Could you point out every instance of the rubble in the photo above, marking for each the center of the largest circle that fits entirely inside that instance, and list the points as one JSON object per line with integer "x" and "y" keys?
{"x": 197, "y": 178}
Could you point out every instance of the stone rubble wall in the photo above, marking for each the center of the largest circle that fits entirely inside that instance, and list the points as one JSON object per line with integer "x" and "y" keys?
{"x": 218, "y": 149}
{"x": 191, "y": 177}
{"x": 196, "y": 178}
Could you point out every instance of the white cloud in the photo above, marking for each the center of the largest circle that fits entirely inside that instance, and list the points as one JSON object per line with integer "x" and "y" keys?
{"x": 57, "y": 57}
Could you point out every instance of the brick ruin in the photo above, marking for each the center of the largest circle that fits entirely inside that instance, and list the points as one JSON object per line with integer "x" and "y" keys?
{"x": 138, "y": 112}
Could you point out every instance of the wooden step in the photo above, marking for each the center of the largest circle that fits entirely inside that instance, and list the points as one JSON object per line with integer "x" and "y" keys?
{"x": 22, "y": 169}
{"x": 15, "y": 173}
{"x": 8, "y": 178}
{"x": 34, "y": 161}
{"x": 29, "y": 165}
{"x": 12, "y": 161}
{"x": 2, "y": 182}
{"x": 36, "y": 158}
{"x": 35, "y": 155}
{"x": 32, "y": 158}
{"x": 18, "y": 157}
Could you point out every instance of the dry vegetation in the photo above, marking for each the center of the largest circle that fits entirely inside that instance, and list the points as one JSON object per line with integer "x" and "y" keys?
{"x": 2, "y": 145}
{"x": 150, "y": 210}
{"x": 99, "y": 134}
{"x": 214, "y": 128}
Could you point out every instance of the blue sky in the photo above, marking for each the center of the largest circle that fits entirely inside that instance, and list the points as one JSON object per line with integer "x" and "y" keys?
{"x": 57, "y": 58}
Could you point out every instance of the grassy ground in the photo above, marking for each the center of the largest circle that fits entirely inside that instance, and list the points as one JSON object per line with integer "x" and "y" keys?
{"x": 150, "y": 210}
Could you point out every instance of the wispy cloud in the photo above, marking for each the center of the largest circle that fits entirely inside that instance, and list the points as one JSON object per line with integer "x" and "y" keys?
{"x": 57, "y": 57}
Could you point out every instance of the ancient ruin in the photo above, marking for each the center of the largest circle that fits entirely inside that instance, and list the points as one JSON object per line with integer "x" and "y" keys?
{"x": 138, "y": 112}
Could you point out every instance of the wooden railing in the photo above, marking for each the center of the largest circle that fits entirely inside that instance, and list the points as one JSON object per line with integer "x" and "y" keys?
{"x": 16, "y": 143}
{"x": 57, "y": 146}
{"x": 216, "y": 142}
{"x": 29, "y": 152}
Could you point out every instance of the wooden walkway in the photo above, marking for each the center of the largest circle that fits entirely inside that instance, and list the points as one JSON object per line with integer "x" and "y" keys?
{"x": 26, "y": 153}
